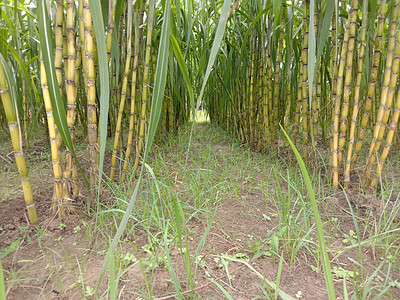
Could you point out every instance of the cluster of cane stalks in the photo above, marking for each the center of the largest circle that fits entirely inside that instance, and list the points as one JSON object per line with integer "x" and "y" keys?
{"x": 326, "y": 71}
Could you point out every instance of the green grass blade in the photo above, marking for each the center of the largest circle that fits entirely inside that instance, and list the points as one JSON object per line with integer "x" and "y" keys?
{"x": 271, "y": 284}
{"x": 113, "y": 286}
{"x": 224, "y": 291}
{"x": 2, "y": 284}
{"x": 104, "y": 80}
{"x": 204, "y": 237}
{"x": 167, "y": 258}
{"x": 318, "y": 224}
{"x": 278, "y": 277}
{"x": 178, "y": 219}
{"x": 120, "y": 231}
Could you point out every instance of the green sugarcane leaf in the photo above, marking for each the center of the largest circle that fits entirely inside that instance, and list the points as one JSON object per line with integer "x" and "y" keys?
{"x": 47, "y": 47}
{"x": 17, "y": 58}
{"x": 57, "y": 104}
{"x": 104, "y": 80}
{"x": 4, "y": 43}
{"x": 115, "y": 54}
{"x": 248, "y": 31}
{"x": 277, "y": 8}
{"x": 215, "y": 47}
{"x": 219, "y": 34}
{"x": 182, "y": 66}
{"x": 160, "y": 79}
{"x": 21, "y": 7}
{"x": 326, "y": 24}
{"x": 12, "y": 85}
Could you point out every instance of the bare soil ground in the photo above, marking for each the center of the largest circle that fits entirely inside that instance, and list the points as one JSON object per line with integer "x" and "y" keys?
{"x": 60, "y": 260}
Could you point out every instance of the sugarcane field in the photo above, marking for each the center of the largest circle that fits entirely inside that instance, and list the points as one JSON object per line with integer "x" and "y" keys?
{"x": 200, "y": 149}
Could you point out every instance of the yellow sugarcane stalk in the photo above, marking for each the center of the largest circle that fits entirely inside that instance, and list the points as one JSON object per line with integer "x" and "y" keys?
{"x": 91, "y": 99}
{"x": 82, "y": 41}
{"x": 357, "y": 90}
{"x": 145, "y": 91}
{"x": 132, "y": 114}
{"x": 251, "y": 94}
{"x": 372, "y": 82}
{"x": 65, "y": 47}
{"x": 57, "y": 203}
{"x": 17, "y": 146}
{"x": 124, "y": 90}
{"x": 110, "y": 27}
{"x": 304, "y": 81}
{"x": 265, "y": 106}
{"x": 58, "y": 193}
{"x": 336, "y": 112}
{"x": 58, "y": 53}
{"x": 297, "y": 115}
{"x": 58, "y": 58}
{"x": 70, "y": 72}
{"x": 314, "y": 101}
{"x": 260, "y": 114}
{"x": 389, "y": 141}
{"x": 348, "y": 78}
{"x": 335, "y": 69}
{"x": 277, "y": 92}
{"x": 270, "y": 95}
{"x": 387, "y": 92}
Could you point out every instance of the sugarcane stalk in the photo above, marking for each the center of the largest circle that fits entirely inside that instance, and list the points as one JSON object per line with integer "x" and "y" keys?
{"x": 145, "y": 90}
{"x": 91, "y": 99}
{"x": 132, "y": 114}
{"x": 110, "y": 27}
{"x": 387, "y": 91}
{"x": 304, "y": 80}
{"x": 277, "y": 90}
{"x": 71, "y": 98}
{"x": 372, "y": 82}
{"x": 336, "y": 111}
{"x": 124, "y": 89}
{"x": 16, "y": 139}
{"x": 352, "y": 21}
{"x": 389, "y": 141}
{"x": 314, "y": 101}
{"x": 251, "y": 92}
{"x": 357, "y": 91}
{"x": 265, "y": 105}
